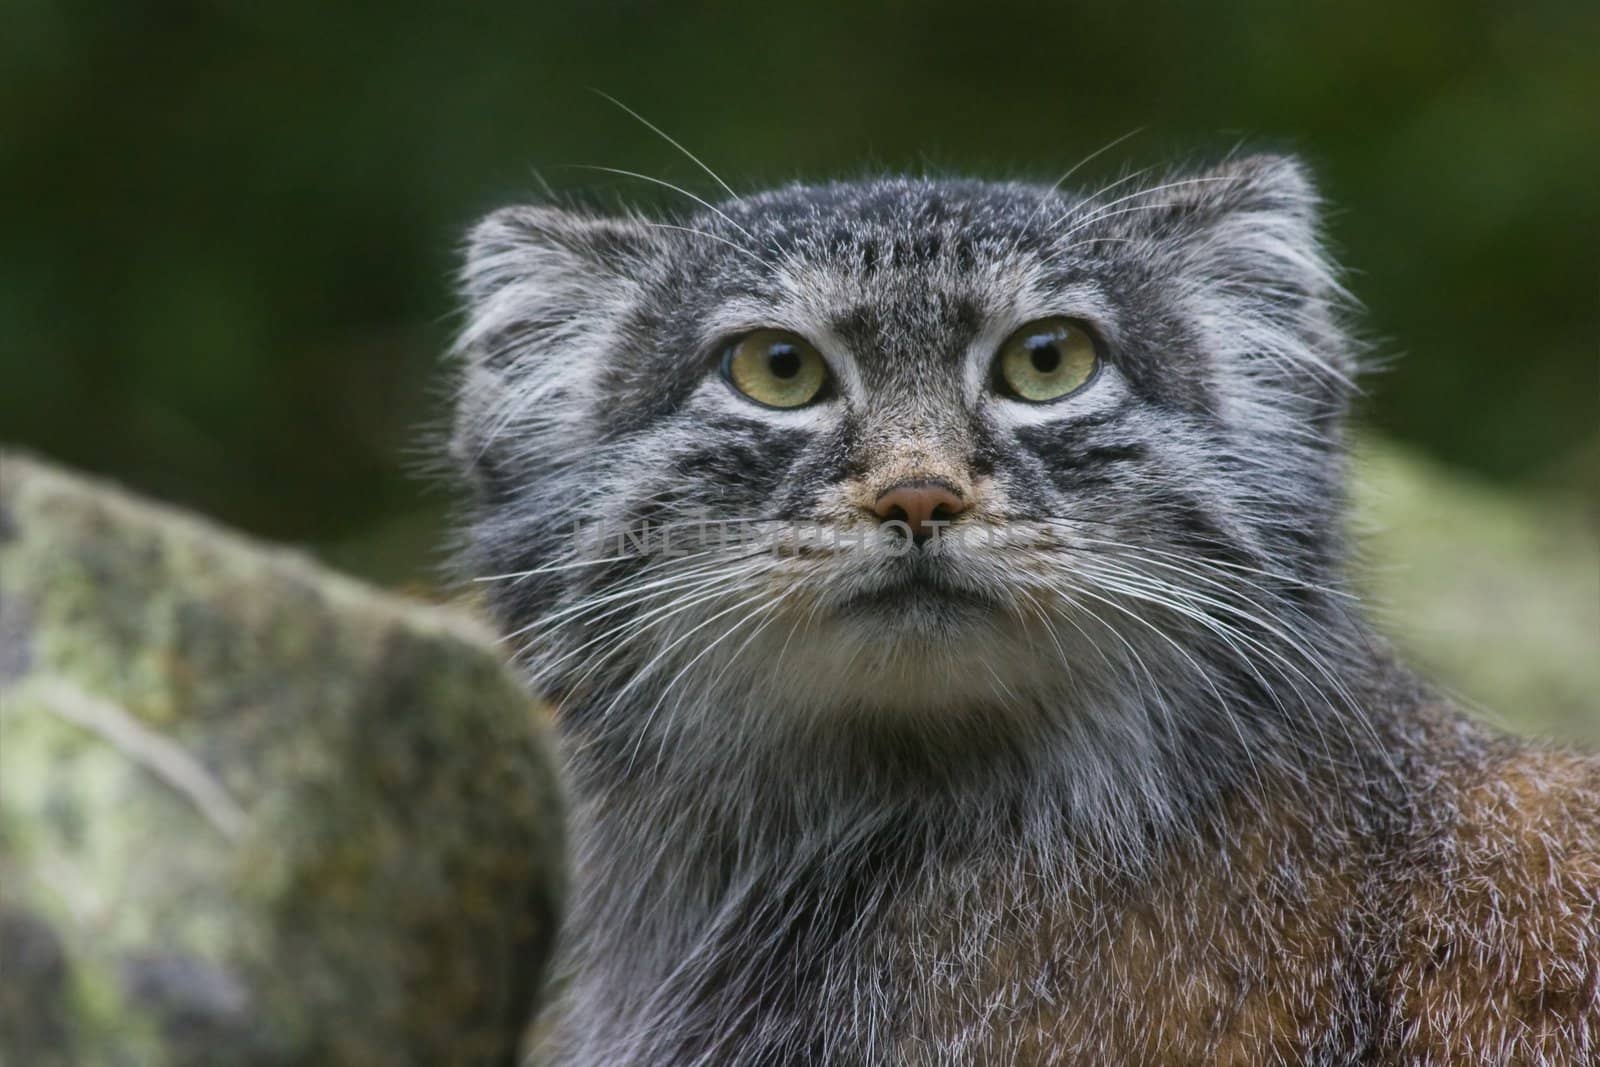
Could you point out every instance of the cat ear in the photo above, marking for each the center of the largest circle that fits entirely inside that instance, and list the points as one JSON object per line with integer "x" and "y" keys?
{"x": 1255, "y": 217}
{"x": 532, "y": 271}
{"x": 1258, "y": 182}
{"x": 1250, "y": 259}
{"x": 546, "y": 291}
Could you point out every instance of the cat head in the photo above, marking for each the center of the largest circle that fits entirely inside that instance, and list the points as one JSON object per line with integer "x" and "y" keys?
{"x": 906, "y": 446}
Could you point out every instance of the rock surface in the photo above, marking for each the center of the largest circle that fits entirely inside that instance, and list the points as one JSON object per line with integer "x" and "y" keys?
{"x": 252, "y": 812}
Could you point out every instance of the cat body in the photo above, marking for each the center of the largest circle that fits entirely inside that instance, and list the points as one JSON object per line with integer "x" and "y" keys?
{"x": 940, "y": 587}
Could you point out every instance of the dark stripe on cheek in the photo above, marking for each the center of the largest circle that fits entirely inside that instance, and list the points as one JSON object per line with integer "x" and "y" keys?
{"x": 1080, "y": 455}
{"x": 826, "y": 462}
{"x": 738, "y": 461}
{"x": 1101, "y": 455}
{"x": 739, "y": 464}
{"x": 1077, "y": 434}
{"x": 1195, "y": 529}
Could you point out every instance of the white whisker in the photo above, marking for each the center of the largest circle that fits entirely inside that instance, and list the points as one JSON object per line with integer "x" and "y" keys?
{"x": 723, "y": 215}
{"x": 696, "y": 160}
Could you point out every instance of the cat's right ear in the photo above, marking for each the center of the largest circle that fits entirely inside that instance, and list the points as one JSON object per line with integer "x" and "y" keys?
{"x": 534, "y": 273}
{"x": 546, "y": 292}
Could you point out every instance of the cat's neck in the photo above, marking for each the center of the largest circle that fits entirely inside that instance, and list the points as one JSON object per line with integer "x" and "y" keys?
{"x": 686, "y": 831}
{"x": 1100, "y": 784}
{"x": 701, "y": 868}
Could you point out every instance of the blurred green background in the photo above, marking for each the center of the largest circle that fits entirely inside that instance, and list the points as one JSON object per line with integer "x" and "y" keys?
{"x": 229, "y": 227}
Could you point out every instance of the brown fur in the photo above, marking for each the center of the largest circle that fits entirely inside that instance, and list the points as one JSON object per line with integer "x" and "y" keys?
{"x": 1459, "y": 926}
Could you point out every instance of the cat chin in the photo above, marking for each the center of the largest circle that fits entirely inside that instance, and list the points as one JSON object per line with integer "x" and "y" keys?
{"x": 937, "y": 618}
{"x": 925, "y": 654}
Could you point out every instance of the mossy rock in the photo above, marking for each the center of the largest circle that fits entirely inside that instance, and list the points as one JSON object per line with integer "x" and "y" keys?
{"x": 251, "y": 811}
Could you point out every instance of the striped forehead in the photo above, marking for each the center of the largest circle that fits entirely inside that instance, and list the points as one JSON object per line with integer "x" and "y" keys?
{"x": 894, "y": 282}
{"x": 908, "y": 331}
{"x": 899, "y": 326}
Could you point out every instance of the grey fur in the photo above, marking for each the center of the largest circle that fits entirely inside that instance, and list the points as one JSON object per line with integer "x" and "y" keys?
{"x": 784, "y": 782}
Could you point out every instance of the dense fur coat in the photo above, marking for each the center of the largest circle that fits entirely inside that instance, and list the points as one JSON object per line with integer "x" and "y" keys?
{"x": 1132, "y": 784}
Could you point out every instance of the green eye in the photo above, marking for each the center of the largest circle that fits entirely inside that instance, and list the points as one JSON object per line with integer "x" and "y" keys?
{"x": 775, "y": 368}
{"x": 1046, "y": 360}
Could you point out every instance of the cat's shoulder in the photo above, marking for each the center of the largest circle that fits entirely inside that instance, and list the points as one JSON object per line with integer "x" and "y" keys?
{"x": 1497, "y": 957}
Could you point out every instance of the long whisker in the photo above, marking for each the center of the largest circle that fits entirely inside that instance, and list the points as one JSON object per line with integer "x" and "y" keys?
{"x": 1150, "y": 191}
{"x": 715, "y": 564}
{"x": 1085, "y": 161}
{"x": 613, "y": 639}
{"x": 1279, "y": 576}
{"x": 768, "y": 608}
{"x": 1182, "y": 599}
{"x": 696, "y": 160}
{"x": 741, "y": 249}
{"x": 685, "y": 594}
{"x": 632, "y": 595}
{"x": 723, "y": 215}
{"x": 1200, "y": 671}
{"x": 522, "y": 576}
{"x": 644, "y": 672}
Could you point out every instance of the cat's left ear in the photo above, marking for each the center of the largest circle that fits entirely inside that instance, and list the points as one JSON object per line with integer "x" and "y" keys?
{"x": 1255, "y": 218}
{"x": 1250, "y": 254}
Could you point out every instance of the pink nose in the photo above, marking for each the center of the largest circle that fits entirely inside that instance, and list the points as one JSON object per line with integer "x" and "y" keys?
{"x": 917, "y": 503}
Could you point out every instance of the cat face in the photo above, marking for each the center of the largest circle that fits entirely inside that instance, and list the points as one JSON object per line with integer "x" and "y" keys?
{"x": 903, "y": 444}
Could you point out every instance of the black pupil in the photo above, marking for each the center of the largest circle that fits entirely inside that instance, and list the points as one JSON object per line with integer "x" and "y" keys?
{"x": 1043, "y": 352}
{"x": 783, "y": 360}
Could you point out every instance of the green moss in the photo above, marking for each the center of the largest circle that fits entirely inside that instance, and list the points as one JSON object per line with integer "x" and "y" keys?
{"x": 311, "y": 821}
